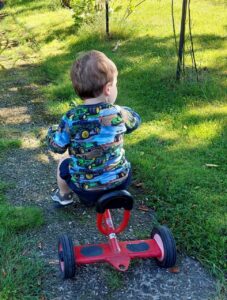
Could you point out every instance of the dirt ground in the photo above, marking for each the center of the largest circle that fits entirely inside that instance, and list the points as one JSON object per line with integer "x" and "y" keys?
{"x": 32, "y": 169}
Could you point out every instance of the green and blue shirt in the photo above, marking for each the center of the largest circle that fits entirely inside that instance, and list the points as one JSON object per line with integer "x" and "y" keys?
{"x": 93, "y": 135}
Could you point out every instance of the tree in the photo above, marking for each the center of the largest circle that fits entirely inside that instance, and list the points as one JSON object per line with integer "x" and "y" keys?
{"x": 182, "y": 39}
{"x": 180, "y": 50}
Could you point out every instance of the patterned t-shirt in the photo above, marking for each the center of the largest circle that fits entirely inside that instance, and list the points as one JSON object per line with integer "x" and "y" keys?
{"x": 93, "y": 135}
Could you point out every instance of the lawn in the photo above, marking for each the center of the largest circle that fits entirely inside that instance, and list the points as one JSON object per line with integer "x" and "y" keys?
{"x": 179, "y": 152}
{"x": 17, "y": 260}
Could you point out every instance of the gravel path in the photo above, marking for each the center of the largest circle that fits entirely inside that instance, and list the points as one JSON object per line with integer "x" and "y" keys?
{"x": 33, "y": 169}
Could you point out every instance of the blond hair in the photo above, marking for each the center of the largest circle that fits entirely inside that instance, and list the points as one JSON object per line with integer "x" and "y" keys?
{"x": 91, "y": 72}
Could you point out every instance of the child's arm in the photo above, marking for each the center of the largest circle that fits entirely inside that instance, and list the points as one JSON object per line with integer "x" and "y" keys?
{"x": 131, "y": 118}
{"x": 58, "y": 137}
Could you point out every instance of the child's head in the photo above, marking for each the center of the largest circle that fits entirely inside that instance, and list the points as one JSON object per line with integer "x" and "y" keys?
{"x": 94, "y": 75}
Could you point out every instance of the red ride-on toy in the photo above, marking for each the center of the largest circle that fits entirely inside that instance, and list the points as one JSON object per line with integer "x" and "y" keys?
{"x": 160, "y": 246}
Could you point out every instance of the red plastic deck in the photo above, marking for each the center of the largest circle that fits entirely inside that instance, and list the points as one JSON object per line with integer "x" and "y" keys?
{"x": 118, "y": 254}
{"x": 120, "y": 259}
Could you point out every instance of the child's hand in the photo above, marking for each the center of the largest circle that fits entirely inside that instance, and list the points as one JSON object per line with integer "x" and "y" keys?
{"x": 124, "y": 114}
{"x": 50, "y": 132}
{"x": 131, "y": 118}
{"x": 53, "y": 128}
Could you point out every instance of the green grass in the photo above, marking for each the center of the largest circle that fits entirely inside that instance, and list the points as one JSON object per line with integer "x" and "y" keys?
{"x": 184, "y": 125}
{"x": 20, "y": 270}
{"x": 114, "y": 280}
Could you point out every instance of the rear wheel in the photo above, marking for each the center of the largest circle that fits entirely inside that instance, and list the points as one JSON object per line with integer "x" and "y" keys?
{"x": 165, "y": 240}
{"x": 66, "y": 257}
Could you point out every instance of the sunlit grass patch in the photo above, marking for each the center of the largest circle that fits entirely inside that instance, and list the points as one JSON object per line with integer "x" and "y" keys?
{"x": 204, "y": 132}
{"x": 209, "y": 111}
{"x": 54, "y": 107}
{"x": 161, "y": 130}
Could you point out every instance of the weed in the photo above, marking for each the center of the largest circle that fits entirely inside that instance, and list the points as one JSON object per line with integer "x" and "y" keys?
{"x": 114, "y": 279}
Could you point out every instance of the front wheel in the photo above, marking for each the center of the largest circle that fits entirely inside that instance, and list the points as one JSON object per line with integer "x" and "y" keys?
{"x": 165, "y": 240}
{"x": 66, "y": 257}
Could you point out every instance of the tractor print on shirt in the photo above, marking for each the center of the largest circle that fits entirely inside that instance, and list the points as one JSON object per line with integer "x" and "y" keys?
{"x": 111, "y": 120}
{"x": 91, "y": 163}
{"x": 100, "y": 182}
{"x": 83, "y": 113}
{"x": 82, "y": 130}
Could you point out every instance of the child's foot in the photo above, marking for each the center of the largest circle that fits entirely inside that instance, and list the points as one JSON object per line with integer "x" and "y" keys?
{"x": 63, "y": 200}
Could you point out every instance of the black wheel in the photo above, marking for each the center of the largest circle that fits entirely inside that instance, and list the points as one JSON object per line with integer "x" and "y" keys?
{"x": 66, "y": 257}
{"x": 165, "y": 240}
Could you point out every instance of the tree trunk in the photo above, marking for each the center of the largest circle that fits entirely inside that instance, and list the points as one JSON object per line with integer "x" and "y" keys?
{"x": 107, "y": 18}
{"x": 65, "y": 3}
{"x": 182, "y": 40}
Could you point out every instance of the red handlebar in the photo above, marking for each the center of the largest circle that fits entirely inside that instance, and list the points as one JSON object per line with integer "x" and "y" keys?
{"x": 109, "y": 228}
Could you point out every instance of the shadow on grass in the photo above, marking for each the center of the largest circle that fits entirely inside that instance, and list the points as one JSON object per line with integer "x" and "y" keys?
{"x": 22, "y": 3}
{"x": 146, "y": 73}
{"x": 211, "y": 41}
{"x": 34, "y": 6}
{"x": 61, "y": 34}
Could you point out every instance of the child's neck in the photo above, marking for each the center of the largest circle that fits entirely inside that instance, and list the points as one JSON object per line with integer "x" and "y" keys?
{"x": 96, "y": 100}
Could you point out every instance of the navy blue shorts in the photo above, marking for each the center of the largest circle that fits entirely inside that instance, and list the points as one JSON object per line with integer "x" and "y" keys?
{"x": 87, "y": 197}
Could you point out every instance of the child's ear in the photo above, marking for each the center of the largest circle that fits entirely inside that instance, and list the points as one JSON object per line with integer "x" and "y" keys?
{"x": 106, "y": 89}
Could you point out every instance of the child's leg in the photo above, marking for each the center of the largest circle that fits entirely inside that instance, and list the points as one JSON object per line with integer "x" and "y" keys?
{"x": 63, "y": 186}
{"x": 63, "y": 195}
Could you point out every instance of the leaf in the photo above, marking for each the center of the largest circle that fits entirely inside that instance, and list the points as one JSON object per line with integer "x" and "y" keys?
{"x": 138, "y": 184}
{"x": 4, "y": 272}
{"x": 24, "y": 252}
{"x": 174, "y": 269}
{"x": 116, "y": 46}
{"x": 143, "y": 208}
{"x": 39, "y": 281}
{"x": 119, "y": 7}
{"x": 211, "y": 165}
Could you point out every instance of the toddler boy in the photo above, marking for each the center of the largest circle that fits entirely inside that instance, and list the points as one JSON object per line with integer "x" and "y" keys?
{"x": 93, "y": 134}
